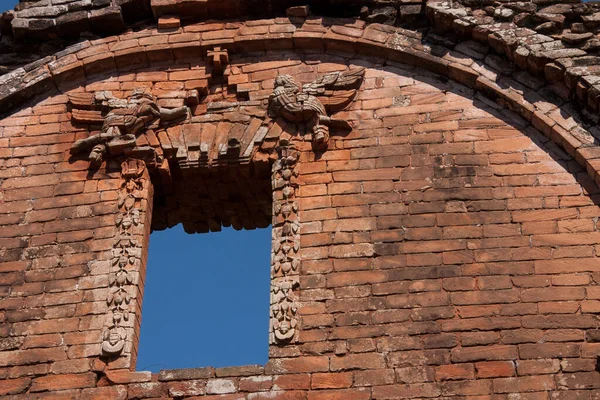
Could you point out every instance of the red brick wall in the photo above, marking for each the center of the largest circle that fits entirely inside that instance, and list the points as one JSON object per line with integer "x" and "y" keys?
{"x": 448, "y": 249}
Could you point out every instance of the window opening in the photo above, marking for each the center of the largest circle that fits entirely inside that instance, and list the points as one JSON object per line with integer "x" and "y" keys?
{"x": 206, "y": 299}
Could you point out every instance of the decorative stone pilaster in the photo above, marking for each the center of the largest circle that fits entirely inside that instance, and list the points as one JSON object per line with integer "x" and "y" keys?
{"x": 127, "y": 255}
{"x": 285, "y": 263}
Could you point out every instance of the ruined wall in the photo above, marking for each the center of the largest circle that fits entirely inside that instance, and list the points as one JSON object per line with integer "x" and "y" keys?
{"x": 446, "y": 244}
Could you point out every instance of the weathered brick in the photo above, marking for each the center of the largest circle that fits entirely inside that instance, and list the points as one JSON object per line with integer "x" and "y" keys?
{"x": 63, "y": 382}
{"x": 454, "y": 372}
{"x": 406, "y": 391}
{"x": 14, "y": 386}
{"x": 446, "y": 246}
{"x": 479, "y": 353}
{"x": 535, "y": 367}
{"x": 358, "y": 361}
{"x": 331, "y": 381}
{"x": 146, "y": 389}
{"x": 524, "y": 384}
{"x": 494, "y": 369}
{"x": 299, "y": 365}
{"x": 548, "y": 350}
{"x": 107, "y": 392}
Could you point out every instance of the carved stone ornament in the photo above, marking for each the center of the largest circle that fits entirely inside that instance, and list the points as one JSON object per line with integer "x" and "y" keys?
{"x": 123, "y": 120}
{"x": 217, "y": 58}
{"x": 283, "y": 311}
{"x": 127, "y": 254}
{"x": 310, "y": 104}
{"x": 285, "y": 263}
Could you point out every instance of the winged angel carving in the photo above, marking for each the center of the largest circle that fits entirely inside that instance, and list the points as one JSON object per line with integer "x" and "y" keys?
{"x": 122, "y": 124}
{"x": 311, "y": 102}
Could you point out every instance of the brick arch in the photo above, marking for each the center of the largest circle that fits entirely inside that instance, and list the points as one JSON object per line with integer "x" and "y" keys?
{"x": 148, "y": 47}
{"x": 141, "y": 381}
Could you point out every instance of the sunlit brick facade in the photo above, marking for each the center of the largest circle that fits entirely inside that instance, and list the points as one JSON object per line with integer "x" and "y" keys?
{"x": 429, "y": 172}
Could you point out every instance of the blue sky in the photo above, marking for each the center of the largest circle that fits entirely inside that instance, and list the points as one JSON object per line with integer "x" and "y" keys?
{"x": 7, "y": 4}
{"x": 206, "y": 300}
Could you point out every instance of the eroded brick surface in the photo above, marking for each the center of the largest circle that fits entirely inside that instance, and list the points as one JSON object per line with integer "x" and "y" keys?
{"x": 447, "y": 243}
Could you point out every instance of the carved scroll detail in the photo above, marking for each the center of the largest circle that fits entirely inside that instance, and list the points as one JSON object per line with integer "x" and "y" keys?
{"x": 285, "y": 263}
{"x": 127, "y": 254}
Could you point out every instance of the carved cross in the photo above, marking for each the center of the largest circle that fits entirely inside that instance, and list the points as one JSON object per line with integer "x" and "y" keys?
{"x": 218, "y": 58}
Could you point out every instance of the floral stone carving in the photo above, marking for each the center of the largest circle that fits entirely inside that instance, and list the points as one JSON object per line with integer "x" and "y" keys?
{"x": 283, "y": 311}
{"x": 127, "y": 254}
{"x": 285, "y": 262}
{"x": 124, "y": 121}
{"x": 311, "y": 103}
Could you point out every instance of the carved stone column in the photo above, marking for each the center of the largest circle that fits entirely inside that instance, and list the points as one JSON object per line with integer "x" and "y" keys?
{"x": 132, "y": 224}
{"x": 285, "y": 263}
